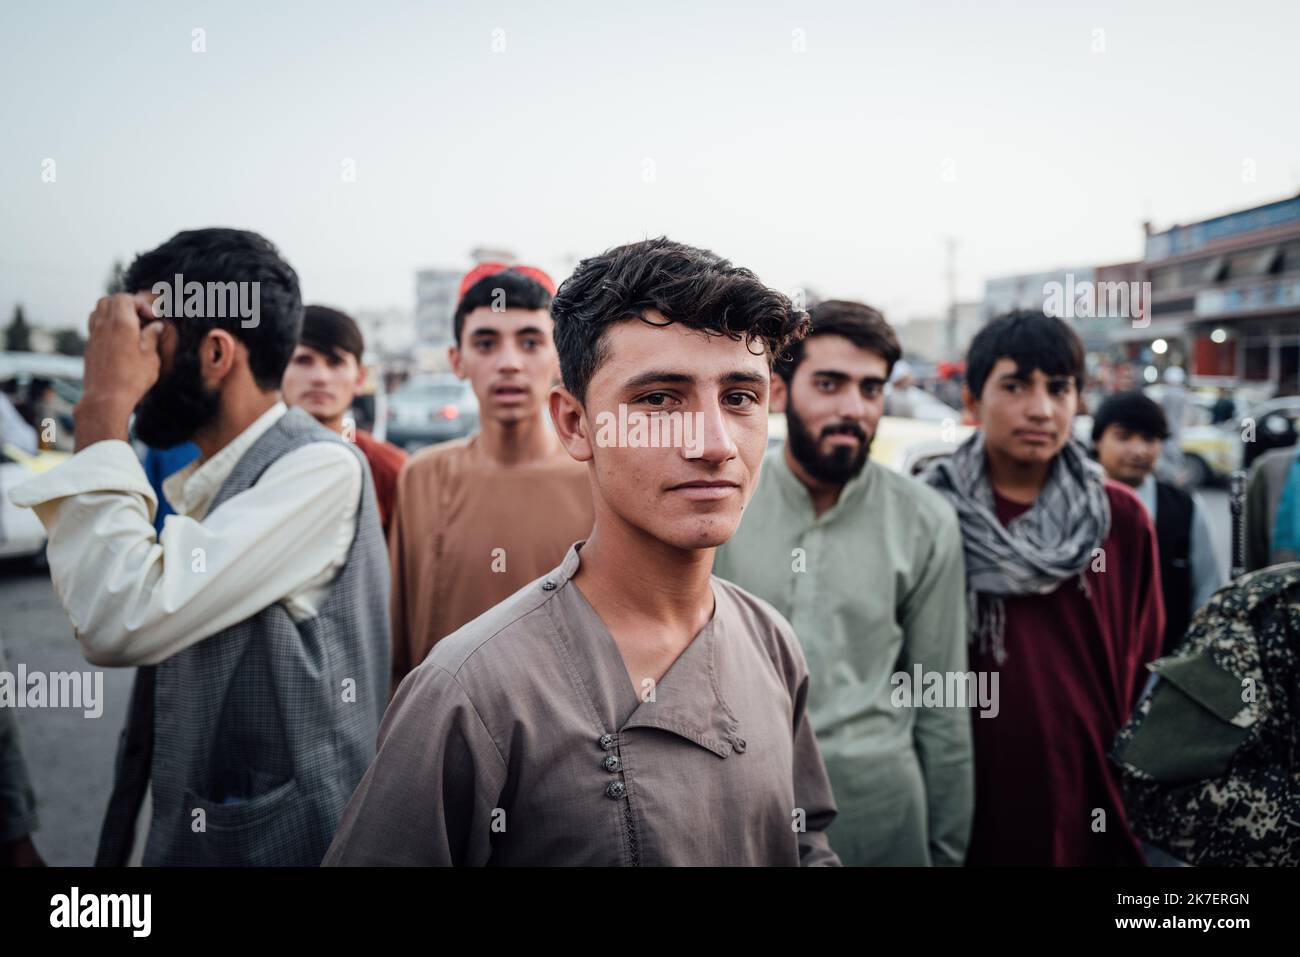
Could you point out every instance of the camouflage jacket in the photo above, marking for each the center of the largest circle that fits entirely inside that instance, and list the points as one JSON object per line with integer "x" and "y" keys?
{"x": 1210, "y": 761}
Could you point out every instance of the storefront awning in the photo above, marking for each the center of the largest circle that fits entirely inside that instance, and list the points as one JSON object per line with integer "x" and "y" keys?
{"x": 1158, "y": 329}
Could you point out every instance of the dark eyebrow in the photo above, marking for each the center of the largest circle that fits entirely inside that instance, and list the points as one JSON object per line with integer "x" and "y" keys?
{"x": 845, "y": 377}
{"x": 832, "y": 374}
{"x": 655, "y": 377}
{"x": 485, "y": 332}
{"x": 528, "y": 331}
{"x": 743, "y": 378}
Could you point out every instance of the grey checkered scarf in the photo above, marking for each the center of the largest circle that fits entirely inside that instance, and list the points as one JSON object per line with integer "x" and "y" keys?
{"x": 1037, "y": 550}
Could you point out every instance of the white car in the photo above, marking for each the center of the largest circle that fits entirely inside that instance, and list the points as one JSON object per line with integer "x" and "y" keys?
{"x": 21, "y": 533}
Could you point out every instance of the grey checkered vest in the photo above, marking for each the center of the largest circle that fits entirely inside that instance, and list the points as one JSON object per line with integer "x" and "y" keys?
{"x": 266, "y": 727}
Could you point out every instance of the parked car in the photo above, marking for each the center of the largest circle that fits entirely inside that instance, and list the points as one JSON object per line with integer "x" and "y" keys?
{"x": 44, "y": 387}
{"x": 925, "y": 406}
{"x": 1277, "y": 426}
{"x": 1213, "y": 452}
{"x": 21, "y": 533}
{"x": 425, "y": 410}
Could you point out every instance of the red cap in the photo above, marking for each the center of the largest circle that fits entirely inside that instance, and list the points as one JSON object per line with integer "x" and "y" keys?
{"x": 484, "y": 270}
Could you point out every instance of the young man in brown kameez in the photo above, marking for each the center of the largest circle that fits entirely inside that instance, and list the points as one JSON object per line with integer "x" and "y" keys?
{"x": 627, "y": 708}
{"x": 476, "y": 519}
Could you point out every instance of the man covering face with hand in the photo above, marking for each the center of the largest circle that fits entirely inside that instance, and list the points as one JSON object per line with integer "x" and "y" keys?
{"x": 258, "y": 617}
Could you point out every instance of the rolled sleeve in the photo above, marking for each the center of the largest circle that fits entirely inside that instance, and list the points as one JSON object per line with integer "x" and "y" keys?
{"x": 108, "y": 466}
{"x": 134, "y": 597}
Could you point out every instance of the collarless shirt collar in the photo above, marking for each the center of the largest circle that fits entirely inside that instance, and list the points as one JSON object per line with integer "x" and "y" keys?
{"x": 688, "y": 700}
{"x": 798, "y": 495}
{"x": 192, "y": 489}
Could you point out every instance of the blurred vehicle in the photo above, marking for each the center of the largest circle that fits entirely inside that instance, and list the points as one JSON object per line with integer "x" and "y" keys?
{"x": 1211, "y": 453}
{"x": 1277, "y": 426}
{"x": 928, "y": 407}
{"x": 907, "y": 446}
{"x": 425, "y": 410}
{"x": 21, "y": 533}
{"x": 43, "y": 387}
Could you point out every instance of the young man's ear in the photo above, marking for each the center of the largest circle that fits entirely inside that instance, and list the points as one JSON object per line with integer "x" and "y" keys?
{"x": 969, "y": 402}
{"x": 571, "y": 424}
{"x": 453, "y": 358}
{"x": 778, "y": 395}
{"x": 217, "y": 354}
{"x": 361, "y": 378}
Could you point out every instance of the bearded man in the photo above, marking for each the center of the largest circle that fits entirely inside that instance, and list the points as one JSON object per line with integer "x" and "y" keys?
{"x": 867, "y": 566}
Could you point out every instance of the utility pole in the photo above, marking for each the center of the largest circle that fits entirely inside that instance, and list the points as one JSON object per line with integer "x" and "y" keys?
{"x": 950, "y": 337}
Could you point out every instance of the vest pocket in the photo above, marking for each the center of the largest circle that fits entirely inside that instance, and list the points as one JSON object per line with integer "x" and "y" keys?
{"x": 269, "y": 829}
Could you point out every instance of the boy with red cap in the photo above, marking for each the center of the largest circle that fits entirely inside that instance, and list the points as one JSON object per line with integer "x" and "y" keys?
{"x": 474, "y": 520}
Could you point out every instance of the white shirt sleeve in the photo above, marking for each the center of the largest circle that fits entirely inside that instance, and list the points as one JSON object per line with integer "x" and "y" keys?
{"x": 135, "y": 598}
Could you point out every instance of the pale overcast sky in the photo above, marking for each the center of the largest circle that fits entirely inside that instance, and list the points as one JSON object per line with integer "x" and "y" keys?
{"x": 828, "y": 144}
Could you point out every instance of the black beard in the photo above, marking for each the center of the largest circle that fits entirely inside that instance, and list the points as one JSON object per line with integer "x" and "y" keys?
{"x": 177, "y": 406}
{"x": 841, "y": 464}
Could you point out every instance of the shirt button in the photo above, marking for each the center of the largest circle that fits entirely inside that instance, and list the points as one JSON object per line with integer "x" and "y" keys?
{"x": 606, "y": 742}
{"x": 615, "y": 789}
{"x": 612, "y": 763}
{"x": 548, "y": 585}
{"x": 739, "y": 744}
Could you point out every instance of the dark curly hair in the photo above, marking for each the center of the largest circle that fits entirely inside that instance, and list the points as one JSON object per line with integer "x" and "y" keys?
{"x": 694, "y": 287}
{"x": 1034, "y": 340}
{"x": 862, "y": 325}
{"x": 517, "y": 292}
{"x": 225, "y": 256}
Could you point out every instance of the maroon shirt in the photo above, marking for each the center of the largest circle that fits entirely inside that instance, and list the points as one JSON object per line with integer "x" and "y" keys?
{"x": 1073, "y": 671}
{"x": 386, "y": 461}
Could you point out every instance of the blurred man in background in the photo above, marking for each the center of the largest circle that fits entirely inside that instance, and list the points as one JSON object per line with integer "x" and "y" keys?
{"x": 476, "y": 519}
{"x": 1128, "y": 431}
{"x": 1064, "y": 584}
{"x": 867, "y": 566}
{"x": 324, "y": 375}
{"x": 1273, "y": 509}
{"x": 1174, "y": 402}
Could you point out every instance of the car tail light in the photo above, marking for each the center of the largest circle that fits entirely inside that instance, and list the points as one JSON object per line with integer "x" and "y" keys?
{"x": 449, "y": 412}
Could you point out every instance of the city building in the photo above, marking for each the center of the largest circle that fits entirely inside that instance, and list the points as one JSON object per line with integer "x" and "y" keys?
{"x": 435, "y": 303}
{"x": 941, "y": 339}
{"x": 387, "y": 331}
{"x": 436, "y": 290}
{"x": 1226, "y": 297}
